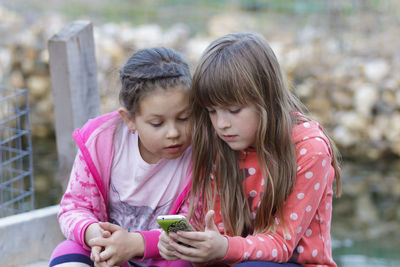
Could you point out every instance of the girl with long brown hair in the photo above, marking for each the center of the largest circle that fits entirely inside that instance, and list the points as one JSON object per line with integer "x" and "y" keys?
{"x": 262, "y": 169}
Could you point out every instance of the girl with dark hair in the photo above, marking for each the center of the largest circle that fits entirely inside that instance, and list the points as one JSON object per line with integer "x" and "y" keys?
{"x": 132, "y": 165}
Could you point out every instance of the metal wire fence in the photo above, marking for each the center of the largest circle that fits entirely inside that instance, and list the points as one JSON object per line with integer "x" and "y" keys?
{"x": 16, "y": 169}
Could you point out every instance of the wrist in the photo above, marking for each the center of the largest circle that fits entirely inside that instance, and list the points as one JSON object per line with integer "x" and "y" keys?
{"x": 138, "y": 243}
{"x": 91, "y": 232}
{"x": 224, "y": 248}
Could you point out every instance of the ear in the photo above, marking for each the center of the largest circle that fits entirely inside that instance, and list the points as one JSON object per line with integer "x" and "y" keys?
{"x": 128, "y": 119}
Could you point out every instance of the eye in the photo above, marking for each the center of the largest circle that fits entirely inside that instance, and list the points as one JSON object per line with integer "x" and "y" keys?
{"x": 156, "y": 124}
{"x": 235, "y": 110}
{"x": 183, "y": 119}
{"x": 210, "y": 111}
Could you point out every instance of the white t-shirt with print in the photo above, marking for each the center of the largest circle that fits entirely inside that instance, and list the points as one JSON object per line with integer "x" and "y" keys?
{"x": 142, "y": 191}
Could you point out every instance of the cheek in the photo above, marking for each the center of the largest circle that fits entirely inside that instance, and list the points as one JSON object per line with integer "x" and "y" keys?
{"x": 213, "y": 121}
{"x": 255, "y": 128}
{"x": 150, "y": 137}
{"x": 187, "y": 131}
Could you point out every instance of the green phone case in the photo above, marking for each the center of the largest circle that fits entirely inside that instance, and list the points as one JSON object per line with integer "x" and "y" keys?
{"x": 174, "y": 225}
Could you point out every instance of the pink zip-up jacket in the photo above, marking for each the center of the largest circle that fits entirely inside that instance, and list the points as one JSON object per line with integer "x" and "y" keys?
{"x": 86, "y": 197}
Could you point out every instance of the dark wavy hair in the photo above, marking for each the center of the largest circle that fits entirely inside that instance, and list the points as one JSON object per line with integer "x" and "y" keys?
{"x": 148, "y": 70}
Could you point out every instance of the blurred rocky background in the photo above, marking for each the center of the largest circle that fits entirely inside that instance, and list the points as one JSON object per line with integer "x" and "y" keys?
{"x": 342, "y": 58}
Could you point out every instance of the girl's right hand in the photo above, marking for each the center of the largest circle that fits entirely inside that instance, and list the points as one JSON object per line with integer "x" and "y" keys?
{"x": 94, "y": 231}
{"x": 165, "y": 249}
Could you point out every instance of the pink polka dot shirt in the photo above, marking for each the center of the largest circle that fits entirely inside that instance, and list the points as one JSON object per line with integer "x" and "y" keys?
{"x": 307, "y": 210}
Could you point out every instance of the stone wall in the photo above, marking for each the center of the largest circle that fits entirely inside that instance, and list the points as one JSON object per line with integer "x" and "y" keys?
{"x": 347, "y": 75}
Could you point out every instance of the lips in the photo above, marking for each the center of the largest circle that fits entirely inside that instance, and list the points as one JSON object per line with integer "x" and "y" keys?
{"x": 173, "y": 148}
{"x": 229, "y": 137}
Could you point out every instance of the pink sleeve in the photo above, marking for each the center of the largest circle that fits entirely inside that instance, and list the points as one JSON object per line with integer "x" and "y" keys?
{"x": 300, "y": 208}
{"x": 76, "y": 206}
{"x": 151, "y": 244}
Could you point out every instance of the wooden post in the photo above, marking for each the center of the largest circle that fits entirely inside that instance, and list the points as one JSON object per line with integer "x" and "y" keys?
{"x": 73, "y": 72}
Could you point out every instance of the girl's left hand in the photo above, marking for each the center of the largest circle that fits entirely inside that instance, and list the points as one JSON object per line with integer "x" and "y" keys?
{"x": 165, "y": 248}
{"x": 204, "y": 246}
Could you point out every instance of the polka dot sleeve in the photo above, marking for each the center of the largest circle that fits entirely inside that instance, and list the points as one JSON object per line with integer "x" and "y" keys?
{"x": 301, "y": 240}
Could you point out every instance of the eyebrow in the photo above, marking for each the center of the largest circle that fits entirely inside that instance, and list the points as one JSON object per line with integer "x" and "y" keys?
{"x": 161, "y": 115}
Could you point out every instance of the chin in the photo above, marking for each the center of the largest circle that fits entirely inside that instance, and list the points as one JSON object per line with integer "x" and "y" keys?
{"x": 174, "y": 156}
{"x": 237, "y": 147}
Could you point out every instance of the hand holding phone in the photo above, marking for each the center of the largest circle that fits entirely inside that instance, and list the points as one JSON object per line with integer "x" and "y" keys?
{"x": 174, "y": 223}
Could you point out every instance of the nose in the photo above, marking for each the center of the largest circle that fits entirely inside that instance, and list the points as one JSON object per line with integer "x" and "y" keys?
{"x": 173, "y": 131}
{"x": 223, "y": 121}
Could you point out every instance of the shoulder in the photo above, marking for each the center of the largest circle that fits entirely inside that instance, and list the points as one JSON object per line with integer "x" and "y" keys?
{"x": 314, "y": 157}
{"x": 99, "y": 124}
{"x": 306, "y": 130}
{"x": 309, "y": 138}
{"x": 92, "y": 124}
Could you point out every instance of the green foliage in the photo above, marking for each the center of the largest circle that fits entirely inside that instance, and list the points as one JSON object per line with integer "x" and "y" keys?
{"x": 196, "y": 13}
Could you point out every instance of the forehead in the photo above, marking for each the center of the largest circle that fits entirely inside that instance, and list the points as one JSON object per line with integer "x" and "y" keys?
{"x": 163, "y": 102}
{"x": 233, "y": 105}
{"x": 221, "y": 91}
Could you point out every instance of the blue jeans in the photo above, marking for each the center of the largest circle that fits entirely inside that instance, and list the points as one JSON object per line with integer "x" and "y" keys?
{"x": 266, "y": 264}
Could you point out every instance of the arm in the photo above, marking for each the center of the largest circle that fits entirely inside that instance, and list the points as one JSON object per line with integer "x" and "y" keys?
{"x": 299, "y": 210}
{"x": 79, "y": 203}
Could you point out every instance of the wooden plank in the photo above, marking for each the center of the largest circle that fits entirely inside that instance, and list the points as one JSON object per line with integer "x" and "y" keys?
{"x": 73, "y": 72}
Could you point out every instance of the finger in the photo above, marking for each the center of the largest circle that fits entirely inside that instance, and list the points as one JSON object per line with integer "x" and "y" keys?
{"x": 106, "y": 254}
{"x": 183, "y": 248}
{"x": 189, "y": 236}
{"x": 105, "y": 234}
{"x": 190, "y": 254}
{"x": 165, "y": 249}
{"x": 182, "y": 240}
{"x": 111, "y": 262}
{"x": 165, "y": 238}
{"x": 96, "y": 253}
{"x": 100, "y": 264}
{"x": 167, "y": 254}
{"x": 98, "y": 241}
{"x": 190, "y": 258}
{"x": 194, "y": 241}
{"x": 106, "y": 226}
{"x": 168, "y": 257}
{"x": 165, "y": 246}
{"x": 172, "y": 236}
{"x": 210, "y": 224}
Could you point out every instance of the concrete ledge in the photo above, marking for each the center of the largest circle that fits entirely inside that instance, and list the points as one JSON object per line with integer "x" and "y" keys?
{"x": 29, "y": 237}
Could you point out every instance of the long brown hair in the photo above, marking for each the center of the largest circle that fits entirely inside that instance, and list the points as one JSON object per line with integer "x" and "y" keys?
{"x": 241, "y": 69}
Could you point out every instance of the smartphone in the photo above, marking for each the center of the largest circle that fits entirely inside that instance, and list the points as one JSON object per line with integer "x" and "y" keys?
{"x": 174, "y": 223}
